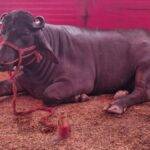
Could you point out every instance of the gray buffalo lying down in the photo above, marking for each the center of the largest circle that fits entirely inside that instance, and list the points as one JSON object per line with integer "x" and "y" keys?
{"x": 62, "y": 64}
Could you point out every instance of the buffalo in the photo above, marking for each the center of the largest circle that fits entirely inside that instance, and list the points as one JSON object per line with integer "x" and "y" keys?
{"x": 62, "y": 63}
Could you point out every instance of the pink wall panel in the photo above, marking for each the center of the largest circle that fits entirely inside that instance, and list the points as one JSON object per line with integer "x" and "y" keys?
{"x": 110, "y": 14}
{"x": 106, "y": 14}
{"x": 54, "y": 11}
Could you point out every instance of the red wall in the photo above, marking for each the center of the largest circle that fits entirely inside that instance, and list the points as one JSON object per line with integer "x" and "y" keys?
{"x": 104, "y": 14}
{"x": 119, "y": 13}
{"x": 54, "y": 11}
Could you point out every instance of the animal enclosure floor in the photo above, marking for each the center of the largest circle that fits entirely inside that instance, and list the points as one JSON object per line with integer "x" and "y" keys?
{"x": 91, "y": 127}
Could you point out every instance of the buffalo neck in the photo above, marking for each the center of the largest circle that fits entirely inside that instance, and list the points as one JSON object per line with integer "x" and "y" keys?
{"x": 43, "y": 71}
{"x": 39, "y": 71}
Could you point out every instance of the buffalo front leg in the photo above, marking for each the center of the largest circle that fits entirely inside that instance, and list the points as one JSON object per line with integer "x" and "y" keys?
{"x": 63, "y": 92}
{"x": 6, "y": 87}
{"x": 139, "y": 94}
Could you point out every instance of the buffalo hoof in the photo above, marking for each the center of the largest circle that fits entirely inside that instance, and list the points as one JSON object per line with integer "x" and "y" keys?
{"x": 81, "y": 98}
{"x": 120, "y": 93}
{"x": 115, "y": 109}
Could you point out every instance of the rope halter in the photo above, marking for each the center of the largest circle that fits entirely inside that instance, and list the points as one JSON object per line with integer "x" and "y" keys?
{"x": 21, "y": 52}
{"x": 22, "y": 55}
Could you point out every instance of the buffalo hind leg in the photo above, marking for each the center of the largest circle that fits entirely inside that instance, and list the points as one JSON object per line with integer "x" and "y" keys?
{"x": 139, "y": 94}
{"x": 120, "y": 93}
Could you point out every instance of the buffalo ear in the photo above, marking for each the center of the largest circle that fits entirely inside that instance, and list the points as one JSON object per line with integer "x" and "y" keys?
{"x": 2, "y": 17}
{"x": 39, "y": 22}
{"x": 43, "y": 44}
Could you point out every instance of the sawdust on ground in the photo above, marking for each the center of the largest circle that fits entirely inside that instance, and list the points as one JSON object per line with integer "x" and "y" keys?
{"x": 91, "y": 127}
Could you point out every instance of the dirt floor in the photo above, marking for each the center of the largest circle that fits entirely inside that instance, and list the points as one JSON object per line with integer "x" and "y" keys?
{"x": 91, "y": 127}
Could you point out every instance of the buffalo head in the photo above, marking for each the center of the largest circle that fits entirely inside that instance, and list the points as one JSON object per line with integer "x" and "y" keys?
{"x": 20, "y": 31}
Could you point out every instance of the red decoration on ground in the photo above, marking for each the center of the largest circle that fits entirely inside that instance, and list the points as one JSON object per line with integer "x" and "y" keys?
{"x": 64, "y": 128}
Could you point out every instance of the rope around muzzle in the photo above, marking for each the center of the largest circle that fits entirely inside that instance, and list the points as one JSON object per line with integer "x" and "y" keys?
{"x": 13, "y": 75}
{"x": 21, "y": 52}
